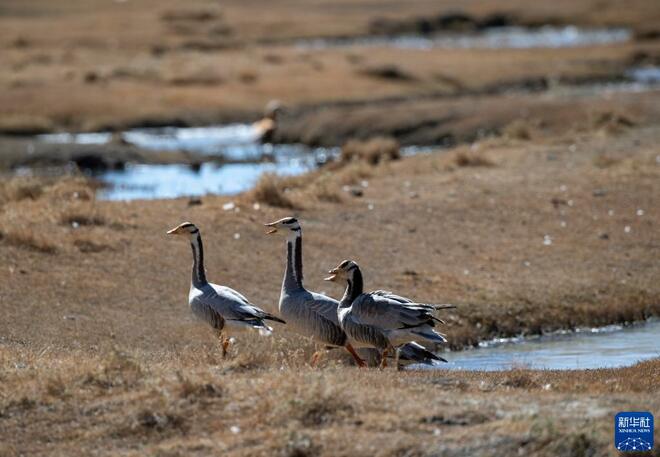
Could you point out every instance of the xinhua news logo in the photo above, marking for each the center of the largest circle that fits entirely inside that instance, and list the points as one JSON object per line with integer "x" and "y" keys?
{"x": 633, "y": 431}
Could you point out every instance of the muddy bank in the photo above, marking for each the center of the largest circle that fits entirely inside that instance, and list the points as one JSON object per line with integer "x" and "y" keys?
{"x": 449, "y": 121}
{"x": 16, "y": 153}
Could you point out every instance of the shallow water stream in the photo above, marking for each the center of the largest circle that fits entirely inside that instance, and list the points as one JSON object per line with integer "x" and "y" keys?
{"x": 238, "y": 143}
{"x": 605, "y": 347}
{"x": 492, "y": 38}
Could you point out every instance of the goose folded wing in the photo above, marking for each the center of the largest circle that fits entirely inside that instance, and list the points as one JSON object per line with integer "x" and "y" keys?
{"x": 388, "y": 313}
{"x": 320, "y": 304}
{"x": 234, "y": 306}
{"x": 400, "y": 299}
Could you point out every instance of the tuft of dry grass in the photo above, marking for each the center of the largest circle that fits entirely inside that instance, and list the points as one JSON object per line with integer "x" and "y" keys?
{"x": 325, "y": 191}
{"x": 77, "y": 218}
{"x": 18, "y": 188}
{"x": 271, "y": 190}
{"x": 372, "y": 151}
{"x": 612, "y": 122}
{"x": 26, "y": 238}
{"x": 470, "y": 158}
{"x": 518, "y": 130}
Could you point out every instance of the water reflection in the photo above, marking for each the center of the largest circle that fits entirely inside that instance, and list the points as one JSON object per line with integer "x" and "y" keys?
{"x": 171, "y": 181}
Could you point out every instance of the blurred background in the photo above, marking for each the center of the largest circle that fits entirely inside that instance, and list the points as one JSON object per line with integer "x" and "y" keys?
{"x": 159, "y": 99}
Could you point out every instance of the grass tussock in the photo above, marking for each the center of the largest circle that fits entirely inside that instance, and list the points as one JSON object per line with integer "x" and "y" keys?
{"x": 26, "y": 238}
{"x": 76, "y": 217}
{"x": 372, "y": 151}
{"x": 19, "y": 188}
{"x": 271, "y": 190}
{"x": 325, "y": 191}
{"x": 118, "y": 369}
{"x": 471, "y": 158}
{"x": 518, "y": 130}
{"x": 612, "y": 122}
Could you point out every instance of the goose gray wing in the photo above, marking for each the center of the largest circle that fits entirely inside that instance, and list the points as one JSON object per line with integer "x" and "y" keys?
{"x": 324, "y": 305}
{"x": 231, "y": 305}
{"x": 391, "y": 296}
{"x": 389, "y": 312}
{"x": 430, "y": 306}
{"x": 315, "y": 315}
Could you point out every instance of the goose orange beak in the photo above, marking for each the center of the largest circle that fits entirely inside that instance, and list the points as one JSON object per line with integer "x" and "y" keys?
{"x": 273, "y": 230}
{"x": 333, "y": 275}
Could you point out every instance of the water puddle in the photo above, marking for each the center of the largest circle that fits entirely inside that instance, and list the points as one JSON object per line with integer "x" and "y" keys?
{"x": 235, "y": 142}
{"x": 638, "y": 79}
{"x": 493, "y": 38}
{"x": 606, "y": 347}
{"x": 238, "y": 143}
{"x": 171, "y": 181}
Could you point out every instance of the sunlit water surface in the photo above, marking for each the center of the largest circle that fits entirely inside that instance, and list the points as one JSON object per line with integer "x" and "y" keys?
{"x": 238, "y": 143}
{"x": 492, "y": 38}
{"x": 605, "y": 347}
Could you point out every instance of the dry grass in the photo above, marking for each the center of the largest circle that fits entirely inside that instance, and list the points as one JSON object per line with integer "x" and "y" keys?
{"x": 76, "y": 66}
{"x": 271, "y": 190}
{"x": 109, "y": 401}
{"x": 25, "y": 238}
{"x": 467, "y": 157}
{"x": 78, "y": 217}
{"x": 518, "y": 130}
{"x": 372, "y": 151}
{"x": 17, "y": 189}
{"x": 119, "y": 368}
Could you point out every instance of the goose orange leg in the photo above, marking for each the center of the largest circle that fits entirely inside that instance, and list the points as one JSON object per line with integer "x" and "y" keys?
{"x": 361, "y": 363}
{"x": 225, "y": 344}
{"x": 315, "y": 358}
{"x": 383, "y": 359}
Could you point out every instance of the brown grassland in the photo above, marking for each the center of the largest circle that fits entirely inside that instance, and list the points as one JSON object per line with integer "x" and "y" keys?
{"x": 100, "y": 354}
{"x": 542, "y": 214}
{"x": 94, "y": 64}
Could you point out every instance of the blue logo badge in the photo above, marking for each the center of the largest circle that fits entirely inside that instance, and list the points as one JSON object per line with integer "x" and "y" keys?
{"x": 633, "y": 431}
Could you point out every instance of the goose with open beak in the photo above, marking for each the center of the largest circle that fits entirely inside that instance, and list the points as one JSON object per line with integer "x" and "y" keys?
{"x": 381, "y": 319}
{"x": 309, "y": 313}
{"x": 222, "y": 308}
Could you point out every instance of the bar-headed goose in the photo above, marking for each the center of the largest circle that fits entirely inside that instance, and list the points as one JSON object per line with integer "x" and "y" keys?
{"x": 382, "y": 319}
{"x": 265, "y": 127}
{"x": 222, "y": 308}
{"x": 311, "y": 314}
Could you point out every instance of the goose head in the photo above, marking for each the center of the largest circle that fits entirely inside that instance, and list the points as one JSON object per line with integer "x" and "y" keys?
{"x": 286, "y": 226}
{"x": 343, "y": 271}
{"x": 273, "y": 109}
{"x": 187, "y": 229}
